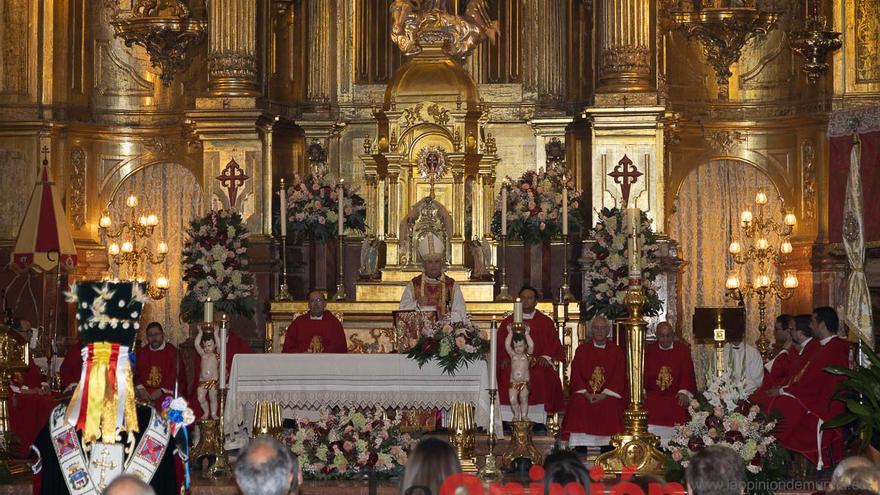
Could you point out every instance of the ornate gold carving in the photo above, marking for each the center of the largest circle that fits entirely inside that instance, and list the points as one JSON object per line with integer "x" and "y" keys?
{"x": 232, "y": 65}
{"x": 808, "y": 154}
{"x": 723, "y": 32}
{"x": 723, "y": 141}
{"x": 414, "y": 26}
{"x": 597, "y": 379}
{"x": 440, "y": 114}
{"x": 14, "y": 46}
{"x": 16, "y": 169}
{"x": 412, "y": 115}
{"x": 625, "y": 59}
{"x": 850, "y": 227}
{"x": 664, "y": 378}
{"x": 115, "y": 77}
{"x": 867, "y": 13}
{"x": 159, "y": 146}
{"x": 78, "y": 187}
{"x": 815, "y": 43}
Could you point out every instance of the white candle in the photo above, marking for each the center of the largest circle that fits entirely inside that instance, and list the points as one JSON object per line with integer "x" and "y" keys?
{"x": 633, "y": 217}
{"x": 283, "y": 210}
{"x": 634, "y": 258}
{"x": 341, "y": 213}
{"x": 209, "y": 311}
{"x": 503, "y": 209}
{"x": 517, "y": 311}
{"x": 222, "y": 335}
{"x": 564, "y": 206}
{"x": 493, "y": 353}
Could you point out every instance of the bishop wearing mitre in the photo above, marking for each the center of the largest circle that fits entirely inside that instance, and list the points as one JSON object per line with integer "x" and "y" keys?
{"x": 432, "y": 290}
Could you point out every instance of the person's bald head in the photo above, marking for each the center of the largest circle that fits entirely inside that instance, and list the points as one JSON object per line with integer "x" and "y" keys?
{"x": 127, "y": 484}
{"x": 855, "y": 472}
{"x": 665, "y": 334}
{"x": 266, "y": 467}
{"x": 600, "y": 327}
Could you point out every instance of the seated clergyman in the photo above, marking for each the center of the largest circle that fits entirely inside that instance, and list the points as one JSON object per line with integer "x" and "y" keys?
{"x": 432, "y": 290}
{"x": 316, "y": 331}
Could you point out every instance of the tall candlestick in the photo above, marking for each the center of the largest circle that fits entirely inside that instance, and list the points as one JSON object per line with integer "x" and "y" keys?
{"x": 209, "y": 311}
{"x": 517, "y": 311}
{"x": 493, "y": 353}
{"x": 564, "y": 206}
{"x": 224, "y": 322}
{"x": 341, "y": 212}
{"x": 282, "y": 212}
{"x": 503, "y": 208}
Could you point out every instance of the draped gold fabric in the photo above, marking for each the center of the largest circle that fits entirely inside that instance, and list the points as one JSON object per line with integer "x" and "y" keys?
{"x": 705, "y": 219}
{"x": 172, "y": 192}
{"x": 857, "y": 297}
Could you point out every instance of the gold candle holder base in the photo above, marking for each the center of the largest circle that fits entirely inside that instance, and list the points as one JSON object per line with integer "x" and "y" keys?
{"x": 565, "y": 291}
{"x": 461, "y": 435}
{"x": 490, "y": 472}
{"x": 504, "y": 290}
{"x": 209, "y": 439}
{"x": 283, "y": 291}
{"x": 521, "y": 445}
{"x": 638, "y": 451}
{"x": 221, "y": 468}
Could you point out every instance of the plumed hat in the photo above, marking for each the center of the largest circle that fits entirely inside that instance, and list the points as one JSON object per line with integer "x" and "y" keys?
{"x": 108, "y": 311}
{"x": 431, "y": 247}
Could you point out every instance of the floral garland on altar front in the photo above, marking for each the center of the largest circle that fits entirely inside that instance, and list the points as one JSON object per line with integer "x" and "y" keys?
{"x": 347, "y": 445}
{"x": 534, "y": 206}
{"x": 313, "y": 209}
{"x": 215, "y": 266}
{"x": 608, "y": 274}
{"x": 451, "y": 344}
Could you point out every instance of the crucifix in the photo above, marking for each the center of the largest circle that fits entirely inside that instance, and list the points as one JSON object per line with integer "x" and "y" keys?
{"x": 625, "y": 177}
{"x": 103, "y": 465}
{"x": 232, "y": 177}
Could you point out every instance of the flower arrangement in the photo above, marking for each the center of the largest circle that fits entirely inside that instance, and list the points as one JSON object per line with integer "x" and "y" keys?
{"x": 347, "y": 445}
{"x": 215, "y": 266}
{"x": 534, "y": 206}
{"x": 313, "y": 209}
{"x": 608, "y": 273}
{"x": 451, "y": 344}
{"x": 722, "y": 416}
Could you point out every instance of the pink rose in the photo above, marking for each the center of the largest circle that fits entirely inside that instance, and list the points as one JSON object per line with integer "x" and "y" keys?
{"x": 718, "y": 412}
{"x": 542, "y": 215}
{"x": 532, "y": 205}
{"x": 447, "y": 328}
{"x": 315, "y": 187}
{"x": 347, "y": 446}
{"x": 321, "y": 220}
{"x": 553, "y": 215}
{"x": 539, "y": 189}
{"x": 332, "y": 195}
{"x": 525, "y": 187}
{"x": 713, "y": 433}
{"x": 460, "y": 342}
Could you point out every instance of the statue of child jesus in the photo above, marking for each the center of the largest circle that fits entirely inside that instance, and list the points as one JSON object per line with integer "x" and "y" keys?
{"x": 519, "y": 346}
{"x": 207, "y": 391}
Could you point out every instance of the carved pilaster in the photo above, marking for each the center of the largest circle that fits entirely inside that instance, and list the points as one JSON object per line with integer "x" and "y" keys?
{"x": 625, "y": 61}
{"x": 321, "y": 26}
{"x": 232, "y": 59}
{"x": 546, "y": 27}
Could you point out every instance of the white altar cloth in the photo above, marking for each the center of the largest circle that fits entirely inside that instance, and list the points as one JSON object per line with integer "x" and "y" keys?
{"x": 313, "y": 381}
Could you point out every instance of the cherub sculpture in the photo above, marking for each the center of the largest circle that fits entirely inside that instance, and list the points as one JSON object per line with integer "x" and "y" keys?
{"x": 207, "y": 390}
{"x": 519, "y": 346}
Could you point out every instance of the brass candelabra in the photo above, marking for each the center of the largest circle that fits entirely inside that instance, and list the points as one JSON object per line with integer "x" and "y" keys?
{"x": 340, "y": 282}
{"x": 504, "y": 290}
{"x": 815, "y": 43}
{"x": 765, "y": 260}
{"x": 565, "y": 290}
{"x": 283, "y": 292}
{"x": 133, "y": 251}
{"x": 221, "y": 468}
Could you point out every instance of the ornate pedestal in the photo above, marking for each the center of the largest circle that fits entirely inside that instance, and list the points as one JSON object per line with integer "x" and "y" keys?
{"x": 521, "y": 445}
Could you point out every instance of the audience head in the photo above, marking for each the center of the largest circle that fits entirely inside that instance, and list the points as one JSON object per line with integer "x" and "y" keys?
{"x": 782, "y": 329}
{"x": 127, "y": 484}
{"x": 564, "y": 467}
{"x": 155, "y": 335}
{"x": 430, "y": 463}
{"x": 317, "y": 303}
{"x": 716, "y": 470}
{"x": 665, "y": 334}
{"x": 600, "y": 327}
{"x": 802, "y": 329}
{"x": 266, "y": 467}
{"x": 825, "y": 322}
{"x": 528, "y": 296}
{"x": 855, "y": 473}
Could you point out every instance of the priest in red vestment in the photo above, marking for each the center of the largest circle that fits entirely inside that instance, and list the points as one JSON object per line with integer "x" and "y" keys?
{"x": 432, "y": 290}
{"x": 670, "y": 383}
{"x": 159, "y": 368}
{"x": 598, "y": 390}
{"x": 546, "y": 389}
{"x": 234, "y": 345}
{"x": 30, "y": 405}
{"x": 71, "y": 367}
{"x": 316, "y": 331}
{"x": 809, "y": 401}
{"x": 777, "y": 370}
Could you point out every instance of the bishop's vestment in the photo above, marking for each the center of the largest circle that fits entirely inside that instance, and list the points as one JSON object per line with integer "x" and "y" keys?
{"x": 428, "y": 294}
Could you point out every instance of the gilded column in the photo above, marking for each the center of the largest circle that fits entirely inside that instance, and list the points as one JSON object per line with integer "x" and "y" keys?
{"x": 625, "y": 62}
{"x": 319, "y": 81}
{"x": 232, "y": 60}
{"x": 544, "y": 47}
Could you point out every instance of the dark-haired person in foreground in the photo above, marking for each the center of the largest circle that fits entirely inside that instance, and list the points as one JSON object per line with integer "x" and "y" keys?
{"x": 564, "y": 467}
{"x": 430, "y": 463}
{"x": 716, "y": 470}
{"x": 266, "y": 467}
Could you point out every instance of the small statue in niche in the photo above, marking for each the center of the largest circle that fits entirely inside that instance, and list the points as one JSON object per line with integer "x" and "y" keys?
{"x": 519, "y": 346}
{"x": 207, "y": 390}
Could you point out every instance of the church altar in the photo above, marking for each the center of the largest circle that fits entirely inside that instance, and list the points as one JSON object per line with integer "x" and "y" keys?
{"x": 313, "y": 381}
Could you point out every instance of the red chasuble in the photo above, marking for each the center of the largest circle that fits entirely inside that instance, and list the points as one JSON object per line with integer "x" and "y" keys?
{"x": 596, "y": 370}
{"x": 545, "y": 385}
{"x": 808, "y": 402}
{"x": 28, "y": 409}
{"x": 668, "y": 372}
{"x": 779, "y": 376}
{"x": 156, "y": 370}
{"x": 430, "y": 293}
{"x": 71, "y": 367}
{"x": 308, "y": 335}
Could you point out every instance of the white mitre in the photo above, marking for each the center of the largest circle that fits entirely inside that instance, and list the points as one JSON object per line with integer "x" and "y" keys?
{"x": 431, "y": 247}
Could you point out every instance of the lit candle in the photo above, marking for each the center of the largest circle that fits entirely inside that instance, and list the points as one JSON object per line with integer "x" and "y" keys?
{"x": 282, "y": 210}
{"x": 209, "y": 311}
{"x": 127, "y": 247}
{"x": 517, "y": 311}
{"x": 761, "y": 198}
{"x": 163, "y": 248}
{"x": 735, "y": 247}
{"x": 746, "y": 217}
{"x": 105, "y": 221}
{"x": 113, "y": 249}
{"x": 493, "y": 353}
{"x": 132, "y": 201}
{"x": 504, "y": 208}
{"x": 341, "y": 213}
{"x": 732, "y": 281}
{"x": 162, "y": 283}
{"x": 564, "y": 206}
{"x": 152, "y": 220}
{"x": 790, "y": 281}
{"x": 762, "y": 243}
{"x": 790, "y": 219}
{"x": 224, "y": 322}
{"x": 786, "y": 248}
